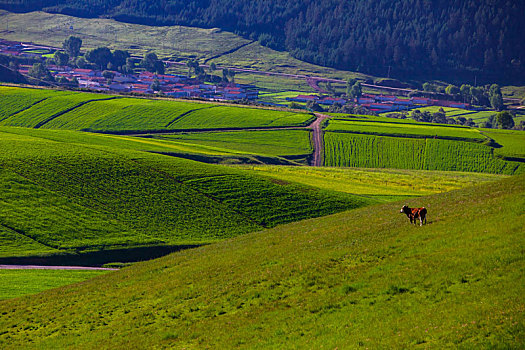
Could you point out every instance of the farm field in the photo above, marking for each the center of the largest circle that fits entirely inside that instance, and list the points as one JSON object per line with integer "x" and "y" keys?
{"x": 262, "y": 142}
{"x": 406, "y": 130}
{"x": 370, "y": 280}
{"x": 385, "y": 185}
{"x": 105, "y": 113}
{"x": 513, "y": 142}
{"x": 17, "y": 283}
{"x": 353, "y": 150}
{"x": 128, "y": 197}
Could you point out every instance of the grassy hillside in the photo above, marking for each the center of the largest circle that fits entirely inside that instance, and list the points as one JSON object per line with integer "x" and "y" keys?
{"x": 512, "y": 142}
{"x": 348, "y": 280}
{"x": 72, "y": 191}
{"x": 346, "y": 149}
{"x": 51, "y": 109}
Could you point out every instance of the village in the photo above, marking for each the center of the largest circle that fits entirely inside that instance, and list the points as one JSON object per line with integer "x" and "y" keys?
{"x": 142, "y": 81}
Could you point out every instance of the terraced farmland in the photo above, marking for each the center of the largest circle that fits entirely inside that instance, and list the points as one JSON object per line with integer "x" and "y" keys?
{"x": 405, "y": 129}
{"x": 105, "y": 113}
{"x": 345, "y": 149}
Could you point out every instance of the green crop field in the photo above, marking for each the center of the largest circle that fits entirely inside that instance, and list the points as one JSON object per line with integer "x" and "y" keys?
{"x": 345, "y": 149}
{"x": 17, "y": 283}
{"x": 74, "y": 191}
{"x": 512, "y": 142}
{"x": 407, "y": 130}
{"x": 224, "y": 117}
{"x": 381, "y": 184}
{"x": 105, "y": 113}
{"x": 363, "y": 278}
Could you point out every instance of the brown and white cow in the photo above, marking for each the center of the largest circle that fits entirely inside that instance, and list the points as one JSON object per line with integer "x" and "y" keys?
{"x": 414, "y": 213}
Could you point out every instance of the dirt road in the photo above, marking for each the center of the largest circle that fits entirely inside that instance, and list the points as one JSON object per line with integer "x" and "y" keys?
{"x": 41, "y": 267}
{"x": 317, "y": 137}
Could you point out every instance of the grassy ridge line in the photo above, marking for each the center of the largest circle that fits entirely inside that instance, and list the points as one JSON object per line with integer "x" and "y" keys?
{"x": 347, "y": 281}
{"x": 345, "y": 149}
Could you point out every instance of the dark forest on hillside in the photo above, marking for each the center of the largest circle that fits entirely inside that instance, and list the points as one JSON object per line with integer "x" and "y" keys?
{"x": 409, "y": 38}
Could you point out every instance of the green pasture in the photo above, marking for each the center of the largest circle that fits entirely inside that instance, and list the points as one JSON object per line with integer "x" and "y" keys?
{"x": 512, "y": 142}
{"x": 353, "y": 150}
{"x": 17, "y": 283}
{"x": 73, "y": 191}
{"x": 380, "y": 184}
{"x": 363, "y": 278}
{"x": 407, "y": 130}
{"x": 262, "y": 142}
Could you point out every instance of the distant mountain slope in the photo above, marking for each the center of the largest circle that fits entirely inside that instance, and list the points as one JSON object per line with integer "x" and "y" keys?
{"x": 403, "y": 37}
{"x": 346, "y": 281}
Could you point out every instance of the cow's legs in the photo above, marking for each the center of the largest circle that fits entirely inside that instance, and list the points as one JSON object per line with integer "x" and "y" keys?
{"x": 420, "y": 221}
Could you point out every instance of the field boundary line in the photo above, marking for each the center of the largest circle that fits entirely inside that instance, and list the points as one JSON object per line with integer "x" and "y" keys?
{"x": 225, "y": 53}
{"x": 185, "y": 114}
{"x": 23, "y": 109}
{"x": 56, "y": 115}
{"x": 27, "y": 236}
{"x": 409, "y": 136}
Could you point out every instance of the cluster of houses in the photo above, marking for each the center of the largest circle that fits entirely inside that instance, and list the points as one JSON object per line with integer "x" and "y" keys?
{"x": 169, "y": 84}
{"x": 381, "y": 103}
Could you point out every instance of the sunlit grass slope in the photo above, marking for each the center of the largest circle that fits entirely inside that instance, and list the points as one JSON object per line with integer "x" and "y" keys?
{"x": 363, "y": 278}
{"x": 24, "y": 282}
{"x": 75, "y": 191}
{"x": 50, "y": 109}
{"x": 381, "y": 184}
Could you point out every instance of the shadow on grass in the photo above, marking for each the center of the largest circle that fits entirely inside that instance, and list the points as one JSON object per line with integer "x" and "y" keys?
{"x": 97, "y": 258}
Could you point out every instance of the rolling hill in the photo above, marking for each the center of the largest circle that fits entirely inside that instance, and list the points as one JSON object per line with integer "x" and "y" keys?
{"x": 362, "y": 278}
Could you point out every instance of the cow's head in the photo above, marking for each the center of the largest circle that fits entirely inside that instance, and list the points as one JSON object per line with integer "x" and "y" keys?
{"x": 404, "y": 209}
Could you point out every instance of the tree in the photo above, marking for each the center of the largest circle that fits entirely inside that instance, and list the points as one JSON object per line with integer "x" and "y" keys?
{"x": 152, "y": 63}
{"x": 61, "y": 58}
{"x": 155, "y": 86}
{"x": 81, "y": 62}
{"x": 356, "y": 90}
{"x": 314, "y": 106}
{"x": 130, "y": 66}
{"x": 495, "y": 97}
{"x": 213, "y": 67}
{"x": 109, "y": 75}
{"x": 349, "y": 84}
{"x": 451, "y": 90}
{"x": 100, "y": 56}
{"x": 119, "y": 58}
{"x": 74, "y": 81}
{"x": 465, "y": 92}
{"x": 192, "y": 66}
{"x": 504, "y": 120}
{"x": 72, "y": 46}
{"x": 427, "y": 87}
{"x": 39, "y": 71}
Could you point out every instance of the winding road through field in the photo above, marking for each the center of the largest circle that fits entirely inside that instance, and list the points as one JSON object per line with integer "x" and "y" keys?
{"x": 317, "y": 137}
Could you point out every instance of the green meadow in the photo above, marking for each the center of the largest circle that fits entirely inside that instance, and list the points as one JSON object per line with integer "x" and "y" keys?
{"x": 28, "y": 282}
{"x": 512, "y": 142}
{"x": 72, "y": 192}
{"x": 380, "y": 184}
{"x": 361, "y": 278}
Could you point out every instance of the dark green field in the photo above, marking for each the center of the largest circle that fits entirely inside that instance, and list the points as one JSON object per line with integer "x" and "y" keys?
{"x": 344, "y": 281}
